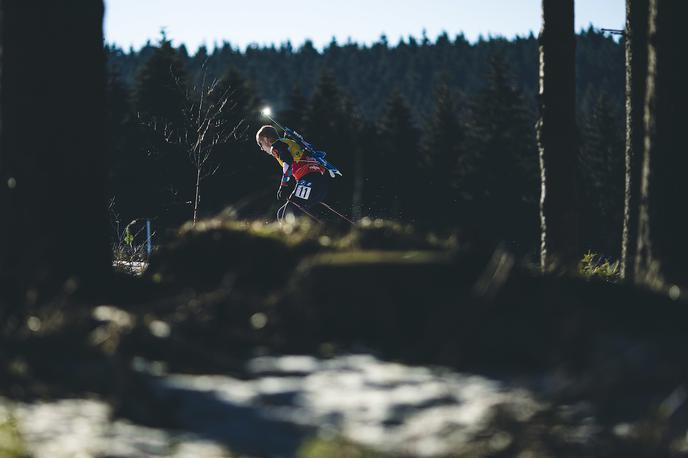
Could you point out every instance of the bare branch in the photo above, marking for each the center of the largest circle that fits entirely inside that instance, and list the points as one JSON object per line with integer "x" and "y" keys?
{"x": 204, "y": 127}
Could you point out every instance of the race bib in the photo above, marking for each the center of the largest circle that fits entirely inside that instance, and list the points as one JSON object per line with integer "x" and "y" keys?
{"x": 302, "y": 192}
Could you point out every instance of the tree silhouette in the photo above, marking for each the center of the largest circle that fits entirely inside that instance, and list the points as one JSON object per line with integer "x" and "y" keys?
{"x": 296, "y": 108}
{"x": 330, "y": 124}
{"x": 559, "y": 219}
{"x": 239, "y": 182}
{"x": 498, "y": 172}
{"x": 131, "y": 188}
{"x": 443, "y": 146}
{"x": 205, "y": 129}
{"x": 159, "y": 100}
{"x": 602, "y": 170}
{"x": 635, "y": 38}
{"x": 54, "y": 228}
{"x": 322, "y": 120}
{"x": 158, "y": 92}
{"x": 366, "y": 76}
{"x": 663, "y": 225}
{"x": 397, "y": 164}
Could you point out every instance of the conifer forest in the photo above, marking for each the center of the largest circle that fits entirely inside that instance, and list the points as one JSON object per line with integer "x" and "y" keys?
{"x": 440, "y": 134}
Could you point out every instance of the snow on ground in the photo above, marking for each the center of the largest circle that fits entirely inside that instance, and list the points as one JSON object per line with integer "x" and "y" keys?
{"x": 281, "y": 402}
{"x": 83, "y": 428}
{"x": 389, "y": 406}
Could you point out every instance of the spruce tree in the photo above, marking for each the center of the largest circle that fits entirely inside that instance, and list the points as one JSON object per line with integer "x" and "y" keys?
{"x": 602, "y": 166}
{"x": 368, "y": 144}
{"x": 130, "y": 189}
{"x": 159, "y": 97}
{"x": 498, "y": 172}
{"x": 397, "y": 162}
{"x": 443, "y": 147}
{"x": 330, "y": 124}
{"x": 325, "y": 109}
{"x": 297, "y": 103}
{"x": 243, "y": 179}
{"x": 352, "y": 123}
{"x": 368, "y": 73}
{"x": 160, "y": 84}
{"x": 244, "y": 107}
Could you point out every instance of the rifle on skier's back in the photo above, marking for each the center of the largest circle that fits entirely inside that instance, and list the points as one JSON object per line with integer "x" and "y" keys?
{"x": 316, "y": 154}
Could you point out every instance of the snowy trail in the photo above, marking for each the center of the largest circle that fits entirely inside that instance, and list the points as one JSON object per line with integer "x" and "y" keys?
{"x": 394, "y": 408}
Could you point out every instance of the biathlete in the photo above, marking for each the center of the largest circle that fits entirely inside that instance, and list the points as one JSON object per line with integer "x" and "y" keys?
{"x": 312, "y": 183}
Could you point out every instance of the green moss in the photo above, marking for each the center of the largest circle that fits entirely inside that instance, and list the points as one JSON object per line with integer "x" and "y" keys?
{"x": 11, "y": 442}
{"x": 378, "y": 234}
{"x": 336, "y": 448}
{"x": 290, "y": 234}
{"x": 253, "y": 253}
{"x": 256, "y": 255}
{"x": 374, "y": 257}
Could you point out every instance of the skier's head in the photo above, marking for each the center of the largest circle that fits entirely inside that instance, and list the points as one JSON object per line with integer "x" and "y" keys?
{"x": 265, "y": 137}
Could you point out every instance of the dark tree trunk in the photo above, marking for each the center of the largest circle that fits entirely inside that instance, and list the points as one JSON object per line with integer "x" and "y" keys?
{"x": 557, "y": 138}
{"x": 662, "y": 257}
{"x": 637, "y": 19}
{"x": 53, "y": 218}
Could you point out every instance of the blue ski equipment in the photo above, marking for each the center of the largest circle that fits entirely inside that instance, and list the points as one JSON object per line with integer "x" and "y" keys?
{"x": 316, "y": 154}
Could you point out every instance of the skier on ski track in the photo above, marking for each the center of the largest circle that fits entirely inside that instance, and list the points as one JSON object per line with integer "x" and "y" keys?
{"x": 311, "y": 181}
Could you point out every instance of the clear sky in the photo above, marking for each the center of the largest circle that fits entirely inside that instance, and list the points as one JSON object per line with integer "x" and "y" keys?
{"x": 196, "y": 22}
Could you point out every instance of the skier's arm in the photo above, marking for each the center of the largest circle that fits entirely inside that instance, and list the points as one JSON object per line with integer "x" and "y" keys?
{"x": 286, "y": 174}
{"x": 287, "y": 161}
{"x": 281, "y": 152}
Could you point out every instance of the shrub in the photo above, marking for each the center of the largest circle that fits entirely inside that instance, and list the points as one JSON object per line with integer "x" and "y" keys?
{"x": 594, "y": 265}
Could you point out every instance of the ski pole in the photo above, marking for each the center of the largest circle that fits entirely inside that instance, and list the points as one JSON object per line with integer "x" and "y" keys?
{"x": 283, "y": 210}
{"x": 337, "y": 213}
{"x": 304, "y": 210}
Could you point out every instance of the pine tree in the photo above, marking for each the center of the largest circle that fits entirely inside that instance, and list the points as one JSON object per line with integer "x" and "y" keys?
{"x": 498, "y": 172}
{"x": 243, "y": 109}
{"x": 160, "y": 84}
{"x": 331, "y": 124}
{"x": 367, "y": 144}
{"x": 296, "y": 108}
{"x": 245, "y": 104}
{"x": 443, "y": 146}
{"x": 602, "y": 166}
{"x": 352, "y": 123}
{"x": 368, "y": 73}
{"x": 159, "y": 98}
{"x": 130, "y": 186}
{"x": 397, "y": 160}
{"x": 325, "y": 110}
{"x": 241, "y": 178}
